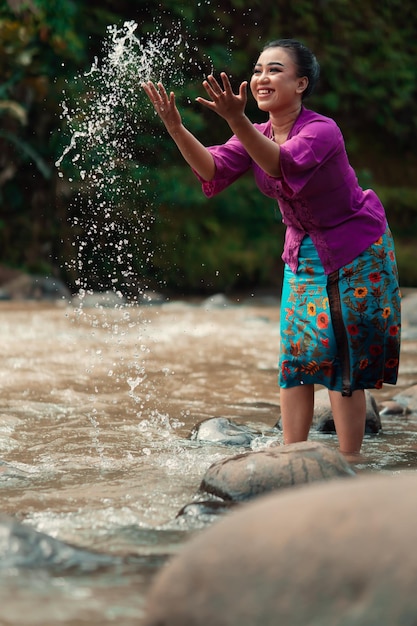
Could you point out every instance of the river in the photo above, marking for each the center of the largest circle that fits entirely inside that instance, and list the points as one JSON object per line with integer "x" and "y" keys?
{"x": 97, "y": 406}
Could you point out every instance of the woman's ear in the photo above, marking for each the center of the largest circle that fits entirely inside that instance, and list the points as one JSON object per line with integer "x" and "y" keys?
{"x": 302, "y": 84}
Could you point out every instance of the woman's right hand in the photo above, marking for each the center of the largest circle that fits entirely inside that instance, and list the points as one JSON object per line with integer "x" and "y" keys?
{"x": 163, "y": 104}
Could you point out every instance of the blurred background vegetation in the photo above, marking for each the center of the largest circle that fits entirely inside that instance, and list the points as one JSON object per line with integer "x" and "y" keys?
{"x": 367, "y": 51}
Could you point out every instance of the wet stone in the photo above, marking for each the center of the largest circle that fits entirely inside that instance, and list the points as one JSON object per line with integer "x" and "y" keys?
{"x": 222, "y": 430}
{"x": 24, "y": 547}
{"x": 245, "y": 476}
{"x": 203, "y": 512}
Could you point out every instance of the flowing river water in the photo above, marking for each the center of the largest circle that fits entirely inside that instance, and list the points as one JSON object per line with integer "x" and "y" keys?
{"x": 97, "y": 406}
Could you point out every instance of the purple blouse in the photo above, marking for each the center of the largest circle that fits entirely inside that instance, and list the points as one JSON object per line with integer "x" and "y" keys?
{"x": 318, "y": 193}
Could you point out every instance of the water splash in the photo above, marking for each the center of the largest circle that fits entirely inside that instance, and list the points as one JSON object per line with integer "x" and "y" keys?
{"x": 111, "y": 214}
{"x": 114, "y": 84}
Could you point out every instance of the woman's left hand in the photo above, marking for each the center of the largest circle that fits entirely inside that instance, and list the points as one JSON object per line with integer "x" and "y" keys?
{"x": 223, "y": 101}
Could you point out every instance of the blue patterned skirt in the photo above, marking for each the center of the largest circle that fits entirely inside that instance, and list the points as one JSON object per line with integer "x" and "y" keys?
{"x": 341, "y": 330}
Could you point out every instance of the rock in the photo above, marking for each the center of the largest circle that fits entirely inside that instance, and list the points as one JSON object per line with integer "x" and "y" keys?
{"x": 98, "y": 299}
{"x": 23, "y": 547}
{"x": 217, "y": 301}
{"x": 222, "y": 430}
{"x": 409, "y": 309}
{"x": 148, "y": 296}
{"x": 245, "y": 476}
{"x": 408, "y": 398}
{"x": 33, "y": 287}
{"x": 8, "y": 274}
{"x": 323, "y": 417}
{"x": 389, "y": 407}
{"x": 204, "y": 512}
{"x": 338, "y": 553}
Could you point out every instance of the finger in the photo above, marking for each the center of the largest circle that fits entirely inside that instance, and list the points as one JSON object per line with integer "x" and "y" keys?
{"x": 151, "y": 90}
{"x": 162, "y": 92}
{"x": 213, "y": 84}
{"x": 149, "y": 85}
{"x": 207, "y": 103}
{"x": 226, "y": 82}
{"x": 157, "y": 96}
{"x": 146, "y": 89}
{"x": 243, "y": 89}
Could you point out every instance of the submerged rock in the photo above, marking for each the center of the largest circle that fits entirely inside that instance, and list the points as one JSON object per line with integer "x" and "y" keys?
{"x": 245, "y": 476}
{"x": 222, "y": 430}
{"x": 203, "y": 512}
{"x": 329, "y": 554}
{"x": 24, "y": 547}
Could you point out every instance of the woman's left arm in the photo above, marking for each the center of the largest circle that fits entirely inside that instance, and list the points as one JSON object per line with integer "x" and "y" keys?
{"x": 231, "y": 107}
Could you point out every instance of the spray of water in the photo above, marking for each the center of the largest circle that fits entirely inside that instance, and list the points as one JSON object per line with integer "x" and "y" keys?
{"x": 111, "y": 213}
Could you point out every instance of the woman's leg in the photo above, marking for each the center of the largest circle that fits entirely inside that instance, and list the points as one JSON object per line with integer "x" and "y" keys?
{"x": 349, "y": 414}
{"x": 297, "y": 407}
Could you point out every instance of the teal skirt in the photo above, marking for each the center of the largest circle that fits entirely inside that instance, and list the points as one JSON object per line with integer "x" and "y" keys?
{"x": 341, "y": 330}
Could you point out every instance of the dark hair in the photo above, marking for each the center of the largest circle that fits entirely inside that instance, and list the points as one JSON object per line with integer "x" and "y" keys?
{"x": 305, "y": 60}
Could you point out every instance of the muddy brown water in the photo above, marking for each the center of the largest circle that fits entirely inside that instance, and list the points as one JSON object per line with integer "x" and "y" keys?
{"x": 96, "y": 409}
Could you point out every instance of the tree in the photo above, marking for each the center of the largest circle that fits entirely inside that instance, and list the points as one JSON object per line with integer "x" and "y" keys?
{"x": 163, "y": 230}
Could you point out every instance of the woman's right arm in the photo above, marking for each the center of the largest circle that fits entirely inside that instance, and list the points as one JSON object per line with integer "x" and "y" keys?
{"x": 193, "y": 151}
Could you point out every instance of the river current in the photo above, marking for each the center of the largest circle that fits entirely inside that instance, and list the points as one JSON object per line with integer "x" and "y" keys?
{"x": 96, "y": 409}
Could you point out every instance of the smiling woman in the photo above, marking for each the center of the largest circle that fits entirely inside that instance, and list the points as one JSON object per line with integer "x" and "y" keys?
{"x": 340, "y": 269}
{"x": 273, "y": 85}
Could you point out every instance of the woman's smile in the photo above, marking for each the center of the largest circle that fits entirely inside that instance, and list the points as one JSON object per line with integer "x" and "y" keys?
{"x": 264, "y": 92}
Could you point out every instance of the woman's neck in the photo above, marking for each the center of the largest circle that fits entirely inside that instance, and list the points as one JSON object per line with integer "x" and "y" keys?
{"x": 283, "y": 122}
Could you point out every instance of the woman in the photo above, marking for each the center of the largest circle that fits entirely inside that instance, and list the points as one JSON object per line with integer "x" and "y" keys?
{"x": 340, "y": 306}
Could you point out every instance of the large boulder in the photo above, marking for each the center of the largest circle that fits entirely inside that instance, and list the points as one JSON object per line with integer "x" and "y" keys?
{"x": 339, "y": 553}
{"x": 248, "y": 475}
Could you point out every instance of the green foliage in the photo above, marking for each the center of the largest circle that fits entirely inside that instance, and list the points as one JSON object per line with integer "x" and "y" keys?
{"x": 407, "y": 266}
{"x": 35, "y": 40}
{"x": 401, "y": 207}
{"x": 367, "y": 53}
{"x": 206, "y": 246}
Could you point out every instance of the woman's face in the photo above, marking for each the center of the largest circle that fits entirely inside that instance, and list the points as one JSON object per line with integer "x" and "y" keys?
{"x": 274, "y": 83}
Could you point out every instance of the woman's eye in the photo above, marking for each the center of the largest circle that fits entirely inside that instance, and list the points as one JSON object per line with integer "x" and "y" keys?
{"x": 271, "y": 70}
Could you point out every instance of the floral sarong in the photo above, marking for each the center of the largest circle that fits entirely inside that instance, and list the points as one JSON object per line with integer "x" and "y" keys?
{"x": 341, "y": 330}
